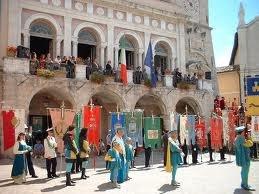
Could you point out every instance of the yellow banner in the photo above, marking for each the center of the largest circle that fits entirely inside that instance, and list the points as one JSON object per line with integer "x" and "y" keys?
{"x": 252, "y": 105}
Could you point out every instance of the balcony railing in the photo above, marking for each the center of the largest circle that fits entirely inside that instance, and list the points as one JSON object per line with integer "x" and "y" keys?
{"x": 22, "y": 66}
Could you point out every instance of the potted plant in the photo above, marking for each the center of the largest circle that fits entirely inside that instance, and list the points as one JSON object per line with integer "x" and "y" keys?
{"x": 147, "y": 83}
{"x": 97, "y": 77}
{"x": 11, "y": 51}
{"x": 183, "y": 85}
{"x": 45, "y": 73}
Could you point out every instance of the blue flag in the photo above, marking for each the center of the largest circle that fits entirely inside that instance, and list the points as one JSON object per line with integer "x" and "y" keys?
{"x": 117, "y": 120}
{"x": 149, "y": 65}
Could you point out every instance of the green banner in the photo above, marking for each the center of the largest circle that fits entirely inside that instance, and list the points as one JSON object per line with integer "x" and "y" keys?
{"x": 134, "y": 126}
{"x": 78, "y": 127}
{"x": 152, "y": 132}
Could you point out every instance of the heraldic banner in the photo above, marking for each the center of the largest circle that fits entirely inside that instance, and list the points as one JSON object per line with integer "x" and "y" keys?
{"x": 201, "y": 134}
{"x": 190, "y": 126}
{"x": 216, "y": 125}
{"x": 117, "y": 120}
{"x": 77, "y": 119}
{"x": 92, "y": 118}
{"x": 60, "y": 123}
{"x": 231, "y": 129}
{"x": 174, "y": 121}
{"x": 255, "y": 128}
{"x": 134, "y": 127}
{"x": 184, "y": 135}
{"x": 252, "y": 105}
{"x": 152, "y": 132}
{"x": 8, "y": 129}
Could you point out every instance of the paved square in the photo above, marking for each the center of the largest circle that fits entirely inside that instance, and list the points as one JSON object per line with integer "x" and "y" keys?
{"x": 204, "y": 178}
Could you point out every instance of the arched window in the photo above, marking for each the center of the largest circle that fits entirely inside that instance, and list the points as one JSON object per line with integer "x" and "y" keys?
{"x": 86, "y": 37}
{"x": 41, "y": 29}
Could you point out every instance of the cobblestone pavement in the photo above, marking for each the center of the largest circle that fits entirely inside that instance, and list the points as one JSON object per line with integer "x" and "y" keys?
{"x": 204, "y": 178}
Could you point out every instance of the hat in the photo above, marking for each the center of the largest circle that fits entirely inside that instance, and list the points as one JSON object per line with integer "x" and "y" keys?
{"x": 25, "y": 126}
{"x": 120, "y": 129}
{"x": 49, "y": 129}
{"x": 240, "y": 129}
{"x": 170, "y": 132}
{"x": 22, "y": 132}
{"x": 128, "y": 139}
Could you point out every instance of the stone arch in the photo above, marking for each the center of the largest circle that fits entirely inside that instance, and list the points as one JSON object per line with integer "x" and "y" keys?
{"x": 132, "y": 34}
{"x": 152, "y": 101}
{"x": 193, "y": 106}
{"x": 46, "y": 17}
{"x": 167, "y": 42}
{"x": 91, "y": 26}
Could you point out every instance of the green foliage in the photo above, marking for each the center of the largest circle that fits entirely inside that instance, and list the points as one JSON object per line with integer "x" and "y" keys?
{"x": 97, "y": 77}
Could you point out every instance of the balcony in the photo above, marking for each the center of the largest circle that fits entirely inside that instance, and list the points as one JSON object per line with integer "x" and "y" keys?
{"x": 14, "y": 65}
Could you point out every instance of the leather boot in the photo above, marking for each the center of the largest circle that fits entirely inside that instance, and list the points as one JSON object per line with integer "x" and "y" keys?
{"x": 83, "y": 174}
{"x": 68, "y": 179}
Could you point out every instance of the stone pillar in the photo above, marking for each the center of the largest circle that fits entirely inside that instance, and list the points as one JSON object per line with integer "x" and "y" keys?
{"x": 14, "y": 23}
{"x": 102, "y": 56}
{"x": 26, "y": 37}
{"x": 166, "y": 120}
{"x": 110, "y": 41}
{"x": 58, "y": 41}
{"x": 140, "y": 58}
{"x": 182, "y": 48}
{"x": 75, "y": 49}
{"x": 135, "y": 60}
{"x": 116, "y": 57}
{"x": 67, "y": 35}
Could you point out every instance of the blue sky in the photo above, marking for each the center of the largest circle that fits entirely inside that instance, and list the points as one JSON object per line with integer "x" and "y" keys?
{"x": 223, "y": 16}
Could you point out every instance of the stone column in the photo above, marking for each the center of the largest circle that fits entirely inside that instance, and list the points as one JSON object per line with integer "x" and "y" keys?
{"x": 135, "y": 60}
{"x": 26, "y": 37}
{"x": 110, "y": 42}
{"x": 140, "y": 58}
{"x": 116, "y": 57}
{"x": 102, "y": 56}
{"x": 67, "y": 35}
{"x": 58, "y": 41}
{"x": 182, "y": 48}
{"x": 14, "y": 23}
{"x": 75, "y": 44}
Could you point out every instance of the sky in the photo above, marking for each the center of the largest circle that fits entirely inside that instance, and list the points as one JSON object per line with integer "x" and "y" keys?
{"x": 223, "y": 18}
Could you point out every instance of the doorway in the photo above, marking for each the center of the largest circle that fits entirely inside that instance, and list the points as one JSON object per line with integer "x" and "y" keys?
{"x": 40, "y": 45}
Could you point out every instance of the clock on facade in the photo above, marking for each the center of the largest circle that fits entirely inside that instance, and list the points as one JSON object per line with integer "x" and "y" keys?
{"x": 191, "y": 7}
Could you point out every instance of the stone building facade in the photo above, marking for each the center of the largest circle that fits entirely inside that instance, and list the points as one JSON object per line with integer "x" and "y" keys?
{"x": 177, "y": 29}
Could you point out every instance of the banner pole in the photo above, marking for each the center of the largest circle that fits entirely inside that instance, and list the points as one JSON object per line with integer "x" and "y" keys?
{"x": 60, "y": 168}
{"x": 152, "y": 152}
{"x": 201, "y": 154}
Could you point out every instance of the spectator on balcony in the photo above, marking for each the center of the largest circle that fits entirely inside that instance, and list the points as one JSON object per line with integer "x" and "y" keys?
{"x": 34, "y": 64}
{"x": 70, "y": 68}
{"x": 42, "y": 61}
{"x": 88, "y": 68}
{"x": 57, "y": 63}
{"x": 145, "y": 75}
{"x": 137, "y": 76}
{"x": 194, "y": 79}
{"x": 74, "y": 59}
{"x": 188, "y": 78}
{"x": 158, "y": 73}
{"x": 108, "y": 68}
{"x": 49, "y": 62}
{"x": 96, "y": 66}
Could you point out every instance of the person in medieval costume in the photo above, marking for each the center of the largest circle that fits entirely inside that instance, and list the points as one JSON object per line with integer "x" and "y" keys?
{"x": 173, "y": 156}
{"x": 165, "y": 143}
{"x": 29, "y": 142}
{"x": 118, "y": 138}
{"x": 129, "y": 156}
{"x": 242, "y": 152}
{"x": 71, "y": 152}
{"x": 114, "y": 165}
{"x": 50, "y": 155}
{"x": 185, "y": 152}
{"x": 84, "y": 151}
{"x": 19, "y": 165}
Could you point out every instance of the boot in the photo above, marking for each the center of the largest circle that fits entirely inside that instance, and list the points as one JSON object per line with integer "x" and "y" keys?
{"x": 83, "y": 174}
{"x": 68, "y": 179}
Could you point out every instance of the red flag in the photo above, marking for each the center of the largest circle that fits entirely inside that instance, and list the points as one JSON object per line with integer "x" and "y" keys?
{"x": 201, "y": 135}
{"x": 8, "y": 129}
{"x": 123, "y": 67}
{"x": 92, "y": 122}
{"x": 231, "y": 128}
{"x": 216, "y": 125}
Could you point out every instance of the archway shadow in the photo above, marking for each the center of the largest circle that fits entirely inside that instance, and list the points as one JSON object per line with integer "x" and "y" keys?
{"x": 242, "y": 191}
{"x": 167, "y": 188}
{"x": 104, "y": 187}
{"x": 54, "y": 188}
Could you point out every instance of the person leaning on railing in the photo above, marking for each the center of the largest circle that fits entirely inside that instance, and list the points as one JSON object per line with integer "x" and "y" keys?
{"x": 34, "y": 64}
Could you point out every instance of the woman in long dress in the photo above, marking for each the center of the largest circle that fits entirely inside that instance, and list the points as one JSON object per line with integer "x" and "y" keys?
{"x": 19, "y": 165}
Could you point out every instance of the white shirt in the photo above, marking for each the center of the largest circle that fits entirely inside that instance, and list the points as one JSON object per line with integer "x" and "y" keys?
{"x": 16, "y": 147}
{"x": 50, "y": 145}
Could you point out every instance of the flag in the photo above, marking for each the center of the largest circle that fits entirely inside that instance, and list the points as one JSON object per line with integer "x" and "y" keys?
{"x": 216, "y": 125}
{"x": 174, "y": 121}
{"x": 149, "y": 65}
{"x": 183, "y": 130}
{"x": 19, "y": 114}
{"x": 255, "y": 128}
{"x": 190, "y": 127}
{"x": 152, "y": 132}
{"x": 200, "y": 131}
{"x": 231, "y": 128}
{"x": 123, "y": 67}
{"x": 8, "y": 129}
{"x": 92, "y": 116}
{"x": 117, "y": 120}
{"x": 78, "y": 127}
{"x": 225, "y": 127}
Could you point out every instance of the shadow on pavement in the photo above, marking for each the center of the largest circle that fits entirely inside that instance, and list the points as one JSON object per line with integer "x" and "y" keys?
{"x": 5, "y": 180}
{"x": 167, "y": 188}
{"x": 7, "y": 185}
{"x": 54, "y": 188}
{"x": 104, "y": 187}
{"x": 38, "y": 181}
{"x": 242, "y": 191}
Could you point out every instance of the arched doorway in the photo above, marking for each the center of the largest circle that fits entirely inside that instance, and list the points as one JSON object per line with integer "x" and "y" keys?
{"x": 109, "y": 102}
{"x": 161, "y": 58}
{"x": 188, "y": 103}
{"x": 39, "y": 117}
{"x": 87, "y": 44}
{"x": 129, "y": 43}
{"x": 42, "y": 35}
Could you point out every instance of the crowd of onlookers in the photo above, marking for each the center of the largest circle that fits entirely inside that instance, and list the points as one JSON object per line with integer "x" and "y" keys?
{"x": 67, "y": 64}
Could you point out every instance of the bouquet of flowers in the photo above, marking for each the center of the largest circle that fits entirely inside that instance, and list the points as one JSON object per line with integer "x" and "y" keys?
{"x": 45, "y": 73}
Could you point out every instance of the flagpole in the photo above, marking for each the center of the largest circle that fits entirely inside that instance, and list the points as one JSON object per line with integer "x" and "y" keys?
{"x": 62, "y": 107}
